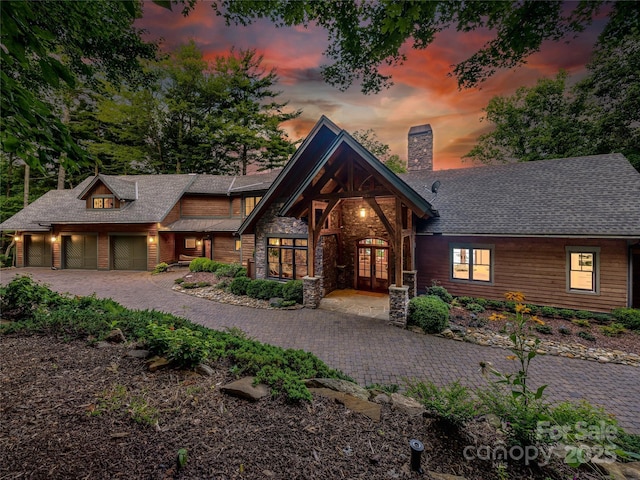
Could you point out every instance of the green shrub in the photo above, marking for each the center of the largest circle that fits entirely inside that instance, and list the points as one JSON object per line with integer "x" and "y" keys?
{"x": 293, "y": 291}
{"x": 475, "y": 308}
{"x": 203, "y": 284}
{"x": 452, "y": 404}
{"x": 178, "y": 281}
{"x": 213, "y": 266}
{"x": 464, "y": 301}
{"x": 495, "y": 304}
{"x": 441, "y": 292}
{"x": 602, "y": 318}
{"x": 587, "y": 336}
{"x": 242, "y": 272}
{"x": 183, "y": 346}
{"x": 429, "y": 313}
{"x": 569, "y": 414}
{"x": 549, "y": 312}
{"x": 564, "y": 330}
{"x": 581, "y": 323}
{"x": 483, "y": 302}
{"x": 199, "y": 264}
{"x": 264, "y": 289}
{"x": 160, "y": 268}
{"x": 583, "y": 314}
{"x": 6, "y": 260}
{"x": 239, "y": 285}
{"x": 230, "y": 271}
{"x": 22, "y": 298}
{"x": 628, "y": 317}
{"x": 566, "y": 313}
{"x": 544, "y": 329}
{"x": 613, "y": 330}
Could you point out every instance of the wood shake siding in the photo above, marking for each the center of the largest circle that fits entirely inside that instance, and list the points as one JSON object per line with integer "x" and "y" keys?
{"x": 236, "y": 207}
{"x": 195, "y": 206}
{"x": 248, "y": 247}
{"x": 224, "y": 248}
{"x": 172, "y": 216}
{"x": 535, "y": 266}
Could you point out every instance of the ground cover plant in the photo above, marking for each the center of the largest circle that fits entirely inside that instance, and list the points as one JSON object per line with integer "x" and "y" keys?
{"x": 37, "y": 309}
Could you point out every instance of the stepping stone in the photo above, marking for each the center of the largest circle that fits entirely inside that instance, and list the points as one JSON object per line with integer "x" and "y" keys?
{"x": 355, "y": 404}
{"x": 244, "y": 388}
{"x": 409, "y": 406}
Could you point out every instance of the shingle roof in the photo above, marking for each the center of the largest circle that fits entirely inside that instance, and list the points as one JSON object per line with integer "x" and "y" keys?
{"x": 205, "y": 225}
{"x": 585, "y": 196}
{"x": 157, "y": 194}
{"x": 229, "y": 184}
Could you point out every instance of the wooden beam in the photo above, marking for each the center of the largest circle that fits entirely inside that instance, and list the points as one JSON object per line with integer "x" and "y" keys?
{"x": 399, "y": 243}
{"x": 354, "y": 194}
{"x": 323, "y": 218}
{"x": 385, "y": 221}
{"x": 311, "y": 254}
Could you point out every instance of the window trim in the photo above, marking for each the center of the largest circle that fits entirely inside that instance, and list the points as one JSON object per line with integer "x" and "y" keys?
{"x": 294, "y": 248}
{"x": 596, "y": 269}
{"x": 103, "y": 197}
{"x": 256, "y": 200}
{"x": 471, "y": 247}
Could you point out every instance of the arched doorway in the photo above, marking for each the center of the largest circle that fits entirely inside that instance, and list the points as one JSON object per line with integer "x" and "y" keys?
{"x": 373, "y": 265}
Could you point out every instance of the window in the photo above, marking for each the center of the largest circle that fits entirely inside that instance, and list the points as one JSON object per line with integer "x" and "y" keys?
{"x": 189, "y": 243}
{"x": 249, "y": 204}
{"x": 287, "y": 258}
{"x": 238, "y": 245}
{"x": 103, "y": 202}
{"x": 582, "y": 269}
{"x": 472, "y": 263}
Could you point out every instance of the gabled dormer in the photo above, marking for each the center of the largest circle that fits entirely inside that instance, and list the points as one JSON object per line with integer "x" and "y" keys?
{"x": 106, "y": 193}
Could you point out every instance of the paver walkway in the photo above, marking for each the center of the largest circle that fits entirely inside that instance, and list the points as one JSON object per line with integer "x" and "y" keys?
{"x": 368, "y": 350}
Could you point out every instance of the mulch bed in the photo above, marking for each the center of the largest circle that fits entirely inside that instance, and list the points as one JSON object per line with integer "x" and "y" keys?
{"x": 69, "y": 411}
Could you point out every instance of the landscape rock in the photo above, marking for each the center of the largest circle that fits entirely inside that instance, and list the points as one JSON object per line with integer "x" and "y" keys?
{"x": 493, "y": 420}
{"x": 339, "y": 385}
{"x": 621, "y": 471}
{"x": 447, "y": 333}
{"x": 276, "y": 301}
{"x": 102, "y": 345}
{"x": 156, "y": 363}
{"x": 115, "y": 336}
{"x": 205, "y": 370}
{"x": 381, "y": 398}
{"x": 355, "y": 404}
{"x": 409, "y": 406}
{"x": 244, "y": 388}
{"x": 142, "y": 354}
{"x": 443, "y": 476}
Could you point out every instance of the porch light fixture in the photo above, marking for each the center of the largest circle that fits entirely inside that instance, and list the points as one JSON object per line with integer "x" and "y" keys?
{"x": 16, "y": 238}
{"x": 151, "y": 239}
{"x": 199, "y": 243}
{"x": 363, "y": 212}
{"x": 53, "y": 238}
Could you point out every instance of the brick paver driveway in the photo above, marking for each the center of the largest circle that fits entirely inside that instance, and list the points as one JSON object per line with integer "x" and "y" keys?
{"x": 368, "y": 350}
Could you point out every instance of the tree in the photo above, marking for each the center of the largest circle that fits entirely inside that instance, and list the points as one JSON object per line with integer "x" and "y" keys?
{"x": 369, "y": 140}
{"x": 366, "y": 35}
{"x": 600, "y": 114}
{"x": 49, "y": 43}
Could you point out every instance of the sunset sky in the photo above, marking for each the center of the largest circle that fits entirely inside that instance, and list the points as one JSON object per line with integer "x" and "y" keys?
{"x": 423, "y": 93}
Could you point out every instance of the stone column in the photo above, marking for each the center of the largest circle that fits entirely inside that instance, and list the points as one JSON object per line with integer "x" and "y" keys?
{"x": 410, "y": 279}
{"x": 311, "y": 292}
{"x": 398, "y": 305}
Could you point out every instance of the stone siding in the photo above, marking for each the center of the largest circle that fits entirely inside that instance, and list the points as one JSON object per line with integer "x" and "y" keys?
{"x": 398, "y": 305}
{"x": 269, "y": 224}
{"x": 326, "y": 263}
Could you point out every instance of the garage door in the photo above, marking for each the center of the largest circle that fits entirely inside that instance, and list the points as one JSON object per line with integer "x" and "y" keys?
{"x": 129, "y": 252}
{"x": 37, "y": 251}
{"x": 80, "y": 251}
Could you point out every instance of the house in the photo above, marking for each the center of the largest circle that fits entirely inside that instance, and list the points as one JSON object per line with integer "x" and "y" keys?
{"x": 565, "y": 232}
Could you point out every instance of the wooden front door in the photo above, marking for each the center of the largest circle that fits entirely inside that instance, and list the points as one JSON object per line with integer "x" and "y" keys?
{"x": 373, "y": 265}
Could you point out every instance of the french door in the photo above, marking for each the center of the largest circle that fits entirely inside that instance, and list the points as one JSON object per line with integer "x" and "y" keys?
{"x": 373, "y": 265}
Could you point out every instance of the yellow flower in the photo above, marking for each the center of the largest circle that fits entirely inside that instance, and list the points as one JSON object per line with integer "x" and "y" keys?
{"x": 537, "y": 320}
{"x": 520, "y": 308}
{"x": 496, "y": 317}
{"x": 517, "y": 297}
{"x": 511, "y": 357}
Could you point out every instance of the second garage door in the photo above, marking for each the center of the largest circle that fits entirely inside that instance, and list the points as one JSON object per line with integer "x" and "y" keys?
{"x": 129, "y": 252}
{"x": 80, "y": 251}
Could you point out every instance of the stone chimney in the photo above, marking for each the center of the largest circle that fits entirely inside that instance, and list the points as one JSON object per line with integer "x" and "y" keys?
{"x": 420, "y": 154}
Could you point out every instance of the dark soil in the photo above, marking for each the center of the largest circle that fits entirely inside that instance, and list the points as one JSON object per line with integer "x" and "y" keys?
{"x": 69, "y": 410}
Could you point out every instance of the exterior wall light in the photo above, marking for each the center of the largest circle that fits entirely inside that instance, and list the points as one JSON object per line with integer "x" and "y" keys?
{"x": 151, "y": 239}
{"x": 53, "y": 238}
{"x": 199, "y": 243}
{"x": 363, "y": 212}
{"x": 16, "y": 238}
